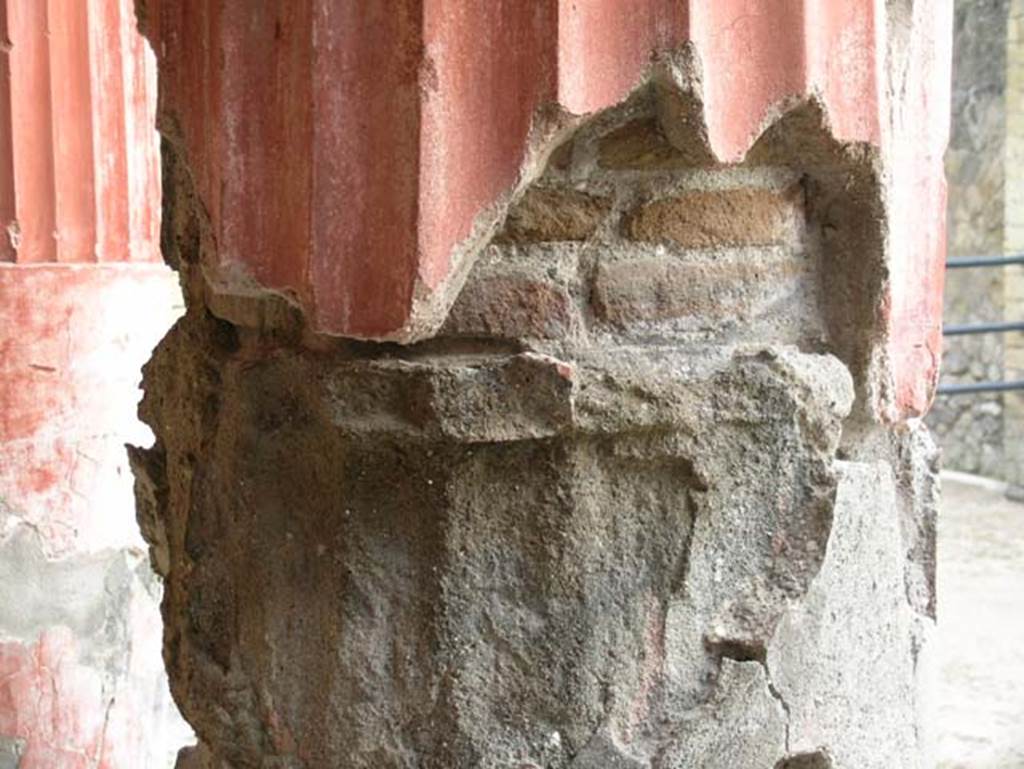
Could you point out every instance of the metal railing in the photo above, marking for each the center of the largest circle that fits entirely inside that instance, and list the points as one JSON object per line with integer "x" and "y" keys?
{"x": 965, "y": 329}
{"x": 957, "y": 262}
{"x": 982, "y": 328}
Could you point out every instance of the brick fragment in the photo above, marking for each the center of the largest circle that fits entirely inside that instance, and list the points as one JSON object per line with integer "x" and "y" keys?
{"x": 709, "y": 219}
{"x": 546, "y": 214}
{"x": 663, "y": 288}
{"x": 511, "y": 305}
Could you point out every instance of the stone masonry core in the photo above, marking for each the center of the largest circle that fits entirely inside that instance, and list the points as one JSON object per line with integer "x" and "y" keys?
{"x": 627, "y": 507}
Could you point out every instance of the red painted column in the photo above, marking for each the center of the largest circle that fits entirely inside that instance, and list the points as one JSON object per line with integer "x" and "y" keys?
{"x": 365, "y": 203}
{"x": 84, "y": 297}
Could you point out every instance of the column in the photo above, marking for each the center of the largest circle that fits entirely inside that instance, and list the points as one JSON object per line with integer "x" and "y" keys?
{"x": 549, "y": 389}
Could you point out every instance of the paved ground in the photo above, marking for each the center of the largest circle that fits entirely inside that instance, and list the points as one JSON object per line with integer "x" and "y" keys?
{"x": 980, "y": 640}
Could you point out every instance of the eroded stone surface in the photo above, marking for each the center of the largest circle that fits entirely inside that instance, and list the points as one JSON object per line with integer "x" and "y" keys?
{"x": 742, "y": 726}
{"x": 844, "y": 659}
{"x": 464, "y": 523}
{"x": 11, "y": 751}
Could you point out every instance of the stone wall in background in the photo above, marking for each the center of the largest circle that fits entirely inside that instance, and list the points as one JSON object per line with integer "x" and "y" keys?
{"x": 1013, "y": 431}
{"x": 970, "y": 427}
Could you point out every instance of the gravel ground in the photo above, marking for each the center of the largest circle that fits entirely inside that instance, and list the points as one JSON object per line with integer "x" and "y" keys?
{"x": 980, "y": 639}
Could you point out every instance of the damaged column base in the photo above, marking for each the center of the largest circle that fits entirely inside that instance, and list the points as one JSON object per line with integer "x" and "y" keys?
{"x": 637, "y": 558}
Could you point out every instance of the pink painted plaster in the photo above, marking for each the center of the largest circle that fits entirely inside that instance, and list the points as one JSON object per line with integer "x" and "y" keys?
{"x": 69, "y": 713}
{"x": 41, "y": 695}
{"x": 918, "y": 123}
{"x": 84, "y": 297}
{"x": 72, "y": 343}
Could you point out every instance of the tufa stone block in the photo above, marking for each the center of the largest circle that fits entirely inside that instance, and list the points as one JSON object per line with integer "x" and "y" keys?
{"x": 641, "y": 145}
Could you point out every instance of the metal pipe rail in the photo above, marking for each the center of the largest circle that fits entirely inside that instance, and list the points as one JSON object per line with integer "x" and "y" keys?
{"x": 963, "y": 329}
{"x": 960, "y": 262}
{"x": 980, "y": 387}
{"x": 982, "y": 328}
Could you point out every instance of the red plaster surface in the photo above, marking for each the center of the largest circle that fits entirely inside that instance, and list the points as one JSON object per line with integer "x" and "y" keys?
{"x": 73, "y": 339}
{"x": 34, "y": 203}
{"x": 601, "y": 50}
{"x": 79, "y": 182}
{"x": 354, "y": 200}
{"x": 7, "y": 202}
{"x": 919, "y": 134}
{"x": 476, "y": 112}
{"x": 42, "y": 693}
{"x": 366, "y": 158}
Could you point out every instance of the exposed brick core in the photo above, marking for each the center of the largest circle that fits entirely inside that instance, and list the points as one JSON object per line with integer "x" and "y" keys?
{"x": 625, "y": 234}
{"x": 513, "y": 305}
